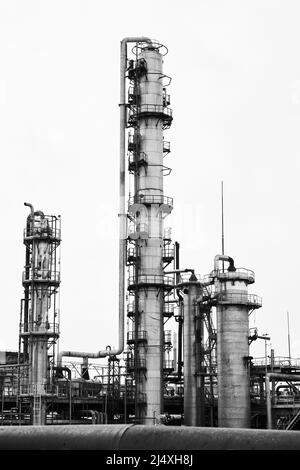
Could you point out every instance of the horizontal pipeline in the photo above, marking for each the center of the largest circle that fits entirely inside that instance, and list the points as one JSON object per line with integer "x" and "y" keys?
{"x": 137, "y": 437}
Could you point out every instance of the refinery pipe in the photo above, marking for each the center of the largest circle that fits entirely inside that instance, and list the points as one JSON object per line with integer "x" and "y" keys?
{"x": 179, "y": 271}
{"x": 31, "y": 208}
{"x": 138, "y": 437}
{"x": 122, "y": 214}
{"x": 223, "y": 258}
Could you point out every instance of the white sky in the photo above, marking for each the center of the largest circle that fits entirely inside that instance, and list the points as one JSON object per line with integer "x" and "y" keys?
{"x": 235, "y": 95}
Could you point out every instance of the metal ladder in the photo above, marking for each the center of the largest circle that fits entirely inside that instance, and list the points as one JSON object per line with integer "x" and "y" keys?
{"x": 293, "y": 421}
{"x": 37, "y": 408}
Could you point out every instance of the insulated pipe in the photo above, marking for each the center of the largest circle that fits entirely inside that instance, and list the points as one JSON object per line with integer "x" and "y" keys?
{"x": 83, "y": 354}
{"x": 138, "y": 437}
{"x": 274, "y": 375}
{"x": 223, "y": 258}
{"x": 26, "y": 288}
{"x": 178, "y": 271}
{"x": 31, "y": 208}
{"x": 122, "y": 214}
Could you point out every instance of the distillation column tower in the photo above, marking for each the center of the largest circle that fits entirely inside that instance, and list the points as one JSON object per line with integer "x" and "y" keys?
{"x": 39, "y": 328}
{"x": 192, "y": 407}
{"x": 148, "y": 116}
{"x": 233, "y": 361}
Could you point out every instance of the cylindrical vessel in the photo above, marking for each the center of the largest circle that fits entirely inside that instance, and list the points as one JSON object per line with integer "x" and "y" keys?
{"x": 233, "y": 349}
{"x": 191, "y": 290}
{"x": 150, "y": 183}
{"x": 148, "y": 208}
{"x": 39, "y": 329}
{"x": 38, "y": 318}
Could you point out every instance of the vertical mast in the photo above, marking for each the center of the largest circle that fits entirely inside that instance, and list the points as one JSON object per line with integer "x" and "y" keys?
{"x": 289, "y": 340}
{"x": 222, "y": 217}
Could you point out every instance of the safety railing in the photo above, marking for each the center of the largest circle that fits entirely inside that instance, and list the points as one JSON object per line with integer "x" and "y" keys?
{"x": 137, "y": 230}
{"x": 132, "y": 142}
{"x": 239, "y": 274}
{"x": 185, "y": 277}
{"x": 206, "y": 279}
{"x": 168, "y": 337}
{"x": 168, "y": 364}
{"x": 151, "y": 199}
{"x": 152, "y": 109}
{"x": 131, "y": 254}
{"x": 168, "y": 310}
{"x": 278, "y": 361}
{"x": 41, "y": 275}
{"x": 37, "y": 327}
{"x": 166, "y": 146}
{"x": 168, "y": 253}
{"x": 136, "y": 68}
{"x": 289, "y": 400}
{"x": 42, "y": 232}
{"x": 151, "y": 279}
{"x": 140, "y": 363}
{"x": 167, "y": 233}
{"x": 131, "y": 309}
{"x": 132, "y": 95}
{"x": 166, "y": 98}
{"x": 135, "y": 161}
{"x": 130, "y": 395}
{"x": 253, "y": 333}
{"x": 154, "y": 45}
{"x": 144, "y": 110}
{"x": 141, "y": 336}
{"x": 38, "y": 389}
{"x": 250, "y": 300}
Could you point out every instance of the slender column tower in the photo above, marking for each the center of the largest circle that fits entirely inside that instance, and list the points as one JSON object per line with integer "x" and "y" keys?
{"x": 148, "y": 116}
{"x": 192, "y": 290}
{"x": 38, "y": 325}
{"x": 233, "y": 305}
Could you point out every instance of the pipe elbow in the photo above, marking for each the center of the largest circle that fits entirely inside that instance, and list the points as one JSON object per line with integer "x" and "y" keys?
{"x": 135, "y": 39}
{"x": 224, "y": 258}
{"x": 31, "y": 208}
{"x": 231, "y": 264}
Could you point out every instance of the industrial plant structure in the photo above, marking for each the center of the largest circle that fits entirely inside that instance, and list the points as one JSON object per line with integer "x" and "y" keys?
{"x": 198, "y": 372}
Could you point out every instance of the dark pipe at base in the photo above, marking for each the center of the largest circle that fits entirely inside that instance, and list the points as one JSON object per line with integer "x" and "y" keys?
{"x": 137, "y": 437}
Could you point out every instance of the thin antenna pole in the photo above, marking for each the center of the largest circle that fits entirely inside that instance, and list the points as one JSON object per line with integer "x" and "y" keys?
{"x": 222, "y": 218}
{"x": 289, "y": 340}
{"x": 222, "y": 203}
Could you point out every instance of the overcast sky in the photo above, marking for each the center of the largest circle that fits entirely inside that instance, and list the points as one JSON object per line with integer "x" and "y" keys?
{"x": 235, "y": 95}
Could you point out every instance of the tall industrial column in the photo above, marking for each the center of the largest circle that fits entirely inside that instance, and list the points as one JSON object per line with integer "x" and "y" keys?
{"x": 192, "y": 289}
{"x": 233, "y": 305}
{"x": 148, "y": 116}
{"x": 39, "y": 328}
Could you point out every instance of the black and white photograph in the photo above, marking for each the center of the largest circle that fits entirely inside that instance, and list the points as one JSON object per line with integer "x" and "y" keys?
{"x": 150, "y": 207}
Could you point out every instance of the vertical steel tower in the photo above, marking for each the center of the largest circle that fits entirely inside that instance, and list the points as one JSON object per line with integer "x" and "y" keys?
{"x": 192, "y": 289}
{"x": 233, "y": 306}
{"x": 39, "y": 310}
{"x": 148, "y": 117}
